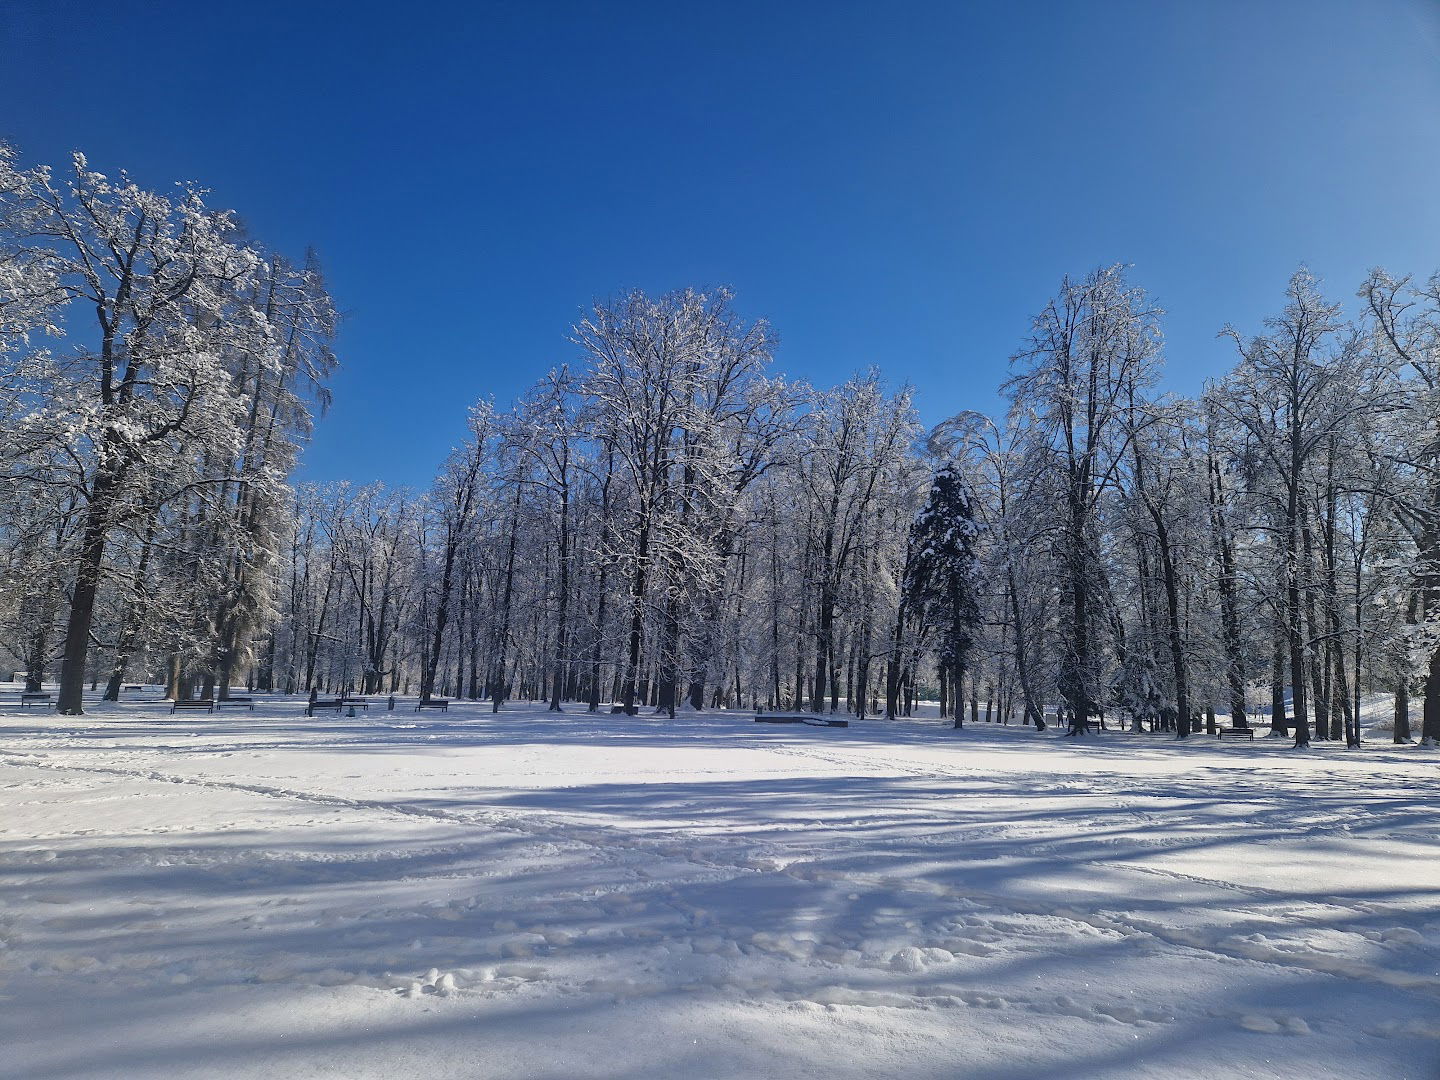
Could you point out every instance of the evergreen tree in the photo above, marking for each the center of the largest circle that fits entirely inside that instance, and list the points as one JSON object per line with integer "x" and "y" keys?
{"x": 941, "y": 583}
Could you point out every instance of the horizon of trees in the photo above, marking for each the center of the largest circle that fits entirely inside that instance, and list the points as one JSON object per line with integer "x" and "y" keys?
{"x": 665, "y": 523}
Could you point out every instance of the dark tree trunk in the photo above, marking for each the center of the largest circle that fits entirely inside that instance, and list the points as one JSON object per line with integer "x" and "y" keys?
{"x": 1430, "y": 724}
{"x": 668, "y": 688}
{"x": 499, "y": 685}
{"x": 1402, "y": 711}
{"x": 637, "y": 621}
{"x": 1229, "y": 609}
{"x": 1173, "y": 633}
{"x": 39, "y": 654}
{"x": 82, "y": 601}
{"x": 1278, "y": 723}
{"x": 824, "y": 643}
{"x": 562, "y": 617}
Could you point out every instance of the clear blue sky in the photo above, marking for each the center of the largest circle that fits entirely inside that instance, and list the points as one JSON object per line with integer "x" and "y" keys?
{"x": 896, "y": 184}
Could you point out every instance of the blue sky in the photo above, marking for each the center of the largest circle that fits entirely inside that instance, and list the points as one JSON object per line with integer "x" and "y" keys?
{"x": 899, "y": 185}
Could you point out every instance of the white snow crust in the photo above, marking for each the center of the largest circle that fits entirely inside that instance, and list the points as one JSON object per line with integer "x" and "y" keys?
{"x": 537, "y": 896}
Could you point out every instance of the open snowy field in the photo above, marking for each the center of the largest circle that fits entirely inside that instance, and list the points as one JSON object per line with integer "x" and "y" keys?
{"x": 532, "y": 896}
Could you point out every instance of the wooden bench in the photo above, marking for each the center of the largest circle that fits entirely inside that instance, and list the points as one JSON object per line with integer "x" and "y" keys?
{"x": 791, "y": 718}
{"x": 443, "y": 704}
{"x": 1235, "y": 732}
{"x": 27, "y": 700}
{"x": 208, "y": 704}
{"x": 236, "y": 703}
{"x": 339, "y": 704}
{"x": 132, "y": 686}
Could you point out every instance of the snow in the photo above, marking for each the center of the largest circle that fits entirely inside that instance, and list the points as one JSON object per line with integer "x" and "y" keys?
{"x": 526, "y": 895}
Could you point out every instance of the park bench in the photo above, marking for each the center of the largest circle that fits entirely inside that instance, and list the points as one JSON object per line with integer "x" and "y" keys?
{"x": 208, "y": 704}
{"x": 355, "y": 703}
{"x": 1235, "y": 732}
{"x": 790, "y": 718}
{"x": 236, "y": 703}
{"x": 132, "y": 686}
{"x": 443, "y": 704}
{"x": 322, "y": 703}
{"x": 27, "y": 700}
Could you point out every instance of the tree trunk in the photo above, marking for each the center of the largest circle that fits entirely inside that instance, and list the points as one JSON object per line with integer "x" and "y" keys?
{"x": 824, "y": 643}
{"x": 1278, "y": 724}
{"x": 668, "y": 690}
{"x": 1402, "y": 711}
{"x": 499, "y": 685}
{"x": 637, "y": 621}
{"x": 82, "y": 602}
{"x": 562, "y": 618}
{"x": 1173, "y": 634}
{"x": 1430, "y": 724}
{"x": 39, "y": 653}
{"x": 1229, "y": 609}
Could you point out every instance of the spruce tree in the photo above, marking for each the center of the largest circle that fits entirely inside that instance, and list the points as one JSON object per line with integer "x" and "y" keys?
{"x": 941, "y": 580}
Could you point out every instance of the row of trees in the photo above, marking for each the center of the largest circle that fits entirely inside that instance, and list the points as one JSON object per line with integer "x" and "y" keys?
{"x": 1174, "y": 555}
{"x": 668, "y": 523}
{"x": 156, "y": 372}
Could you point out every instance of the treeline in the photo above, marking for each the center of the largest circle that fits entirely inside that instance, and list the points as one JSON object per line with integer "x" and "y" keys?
{"x": 666, "y": 523}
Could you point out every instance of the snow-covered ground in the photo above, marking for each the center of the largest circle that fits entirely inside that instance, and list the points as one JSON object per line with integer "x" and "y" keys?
{"x": 533, "y": 896}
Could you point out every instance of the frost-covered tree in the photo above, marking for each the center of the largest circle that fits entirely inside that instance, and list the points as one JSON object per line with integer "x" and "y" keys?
{"x": 158, "y": 389}
{"x": 1295, "y": 392}
{"x": 856, "y": 451}
{"x": 1091, "y": 350}
{"x": 676, "y": 398}
{"x": 1406, "y": 332}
